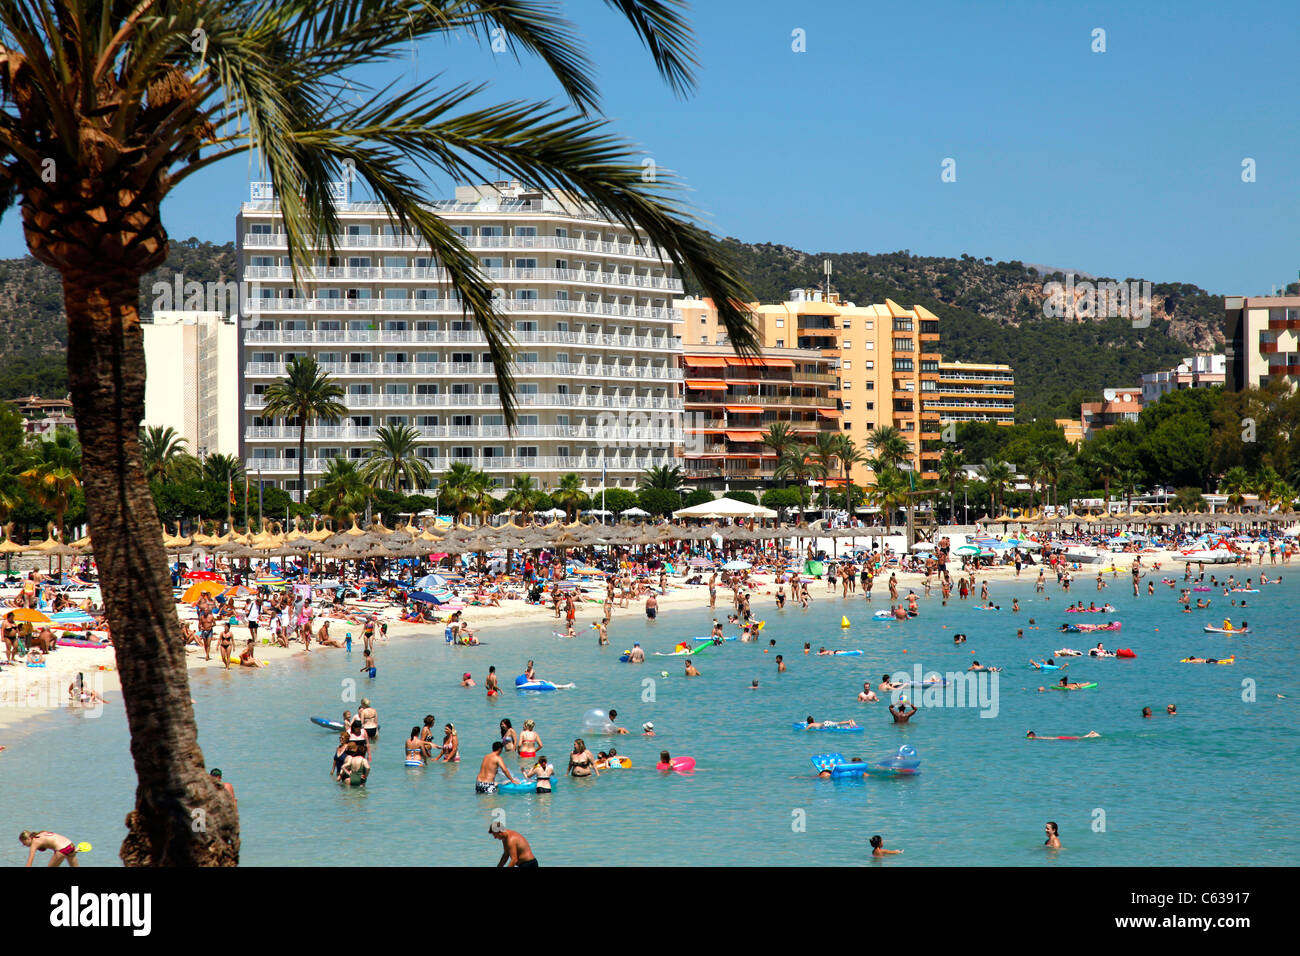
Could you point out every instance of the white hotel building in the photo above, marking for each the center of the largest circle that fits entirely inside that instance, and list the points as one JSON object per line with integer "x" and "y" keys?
{"x": 599, "y": 383}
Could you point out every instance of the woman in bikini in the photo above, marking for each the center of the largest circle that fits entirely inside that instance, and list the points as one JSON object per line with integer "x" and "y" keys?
{"x": 415, "y": 748}
{"x": 581, "y": 762}
{"x": 509, "y": 739}
{"x": 450, "y": 745}
{"x": 226, "y": 646}
{"x": 529, "y": 742}
{"x": 41, "y": 840}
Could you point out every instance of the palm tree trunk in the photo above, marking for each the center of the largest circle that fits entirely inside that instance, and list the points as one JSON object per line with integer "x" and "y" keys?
{"x": 180, "y": 818}
{"x": 302, "y": 462}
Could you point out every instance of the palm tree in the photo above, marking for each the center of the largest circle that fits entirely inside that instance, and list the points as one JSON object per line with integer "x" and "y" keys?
{"x": 305, "y": 393}
{"x": 568, "y": 494}
{"x": 798, "y": 464}
{"x": 1035, "y": 466}
{"x": 888, "y": 492}
{"x": 997, "y": 475}
{"x": 522, "y": 495}
{"x": 1235, "y": 485}
{"x": 1056, "y": 465}
{"x": 393, "y": 460}
{"x": 481, "y": 501}
{"x": 1187, "y": 500}
{"x": 780, "y": 437}
{"x": 223, "y": 469}
{"x": 889, "y": 446}
{"x": 343, "y": 490}
{"x": 847, "y": 453}
{"x": 823, "y": 451}
{"x": 1264, "y": 483}
{"x": 123, "y": 101}
{"x": 1105, "y": 464}
{"x": 54, "y": 472}
{"x": 661, "y": 476}
{"x": 164, "y": 454}
{"x": 951, "y": 473}
{"x": 1284, "y": 494}
{"x": 454, "y": 487}
{"x": 1126, "y": 480}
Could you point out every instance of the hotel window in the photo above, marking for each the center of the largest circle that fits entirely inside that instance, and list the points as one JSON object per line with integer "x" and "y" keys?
{"x": 358, "y": 230}
{"x": 462, "y": 358}
{"x": 490, "y": 232}
{"x": 395, "y": 325}
{"x": 562, "y": 296}
{"x": 492, "y": 262}
{"x": 780, "y": 343}
{"x": 525, "y": 357}
{"x": 428, "y": 295}
{"x": 527, "y": 451}
{"x": 526, "y": 294}
{"x": 526, "y": 325}
{"x": 848, "y": 425}
{"x": 361, "y": 421}
{"x": 396, "y": 358}
{"x": 461, "y": 421}
{"x": 871, "y": 386}
{"x": 329, "y": 325}
{"x": 362, "y": 388}
{"x": 530, "y": 388}
{"x": 462, "y": 451}
{"x": 848, "y": 384}
{"x": 427, "y": 325}
{"x": 426, "y": 421}
{"x": 260, "y": 229}
{"x": 500, "y": 420}
{"x": 871, "y": 326}
{"x": 494, "y": 451}
{"x": 902, "y": 365}
{"x": 465, "y": 231}
{"x": 562, "y": 233}
{"x": 846, "y": 364}
{"x": 562, "y": 451}
{"x": 525, "y": 263}
{"x": 847, "y": 345}
{"x": 263, "y": 261}
{"x": 427, "y": 388}
{"x": 871, "y": 406}
{"x": 424, "y": 262}
{"x": 562, "y": 264}
{"x": 329, "y": 453}
{"x": 427, "y": 358}
{"x": 904, "y": 345}
{"x": 871, "y": 346}
{"x": 527, "y": 231}
{"x": 780, "y": 323}
{"x": 460, "y": 388}
{"x": 358, "y": 294}
{"x": 488, "y": 389}
{"x": 848, "y": 323}
{"x": 391, "y": 294}
{"x": 394, "y": 420}
{"x": 396, "y": 262}
{"x": 358, "y": 262}
{"x": 262, "y": 357}
{"x": 327, "y": 294}
{"x": 871, "y": 364}
{"x": 428, "y": 451}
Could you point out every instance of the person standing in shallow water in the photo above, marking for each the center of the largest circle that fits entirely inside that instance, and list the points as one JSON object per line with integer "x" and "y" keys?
{"x": 1053, "y": 835}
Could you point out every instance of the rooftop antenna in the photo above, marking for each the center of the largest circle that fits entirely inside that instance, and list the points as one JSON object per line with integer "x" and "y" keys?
{"x": 826, "y": 269}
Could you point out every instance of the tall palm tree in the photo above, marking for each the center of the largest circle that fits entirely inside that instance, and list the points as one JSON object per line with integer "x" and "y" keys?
{"x": 568, "y": 494}
{"x": 780, "y": 438}
{"x": 997, "y": 475}
{"x": 54, "y": 472}
{"x": 1105, "y": 464}
{"x": 164, "y": 454}
{"x": 123, "y": 101}
{"x": 1264, "y": 484}
{"x": 305, "y": 393}
{"x": 393, "y": 460}
{"x": 952, "y": 473}
{"x": 1035, "y": 468}
{"x": 888, "y": 445}
{"x": 481, "y": 500}
{"x": 848, "y": 455}
{"x": 1127, "y": 480}
{"x": 1055, "y": 466}
{"x": 454, "y": 487}
{"x": 522, "y": 495}
{"x": 888, "y": 492}
{"x": 343, "y": 490}
{"x": 1234, "y": 485}
{"x": 799, "y": 464}
{"x": 661, "y": 476}
{"x": 823, "y": 451}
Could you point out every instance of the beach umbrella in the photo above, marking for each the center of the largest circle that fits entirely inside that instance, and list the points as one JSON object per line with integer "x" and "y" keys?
{"x": 202, "y": 575}
{"x": 737, "y": 566}
{"x": 923, "y": 546}
{"x": 635, "y": 513}
{"x": 967, "y": 549}
{"x": 30, "y": 614}
{"x": 424, "y": 597}
{"x": 700, "y": 562}
{"x": 200, "y": 588}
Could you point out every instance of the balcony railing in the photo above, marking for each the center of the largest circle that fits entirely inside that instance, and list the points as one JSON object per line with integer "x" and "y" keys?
{"x": 262, "y": 307}
{"x": 532, "y": 400}
{"x": 317, "y": 466}
{"x": 266, "y": 335}
{"x": 354, "y": 434}
{"x": 476, "y": 369}
{"x": 278, "y": 240}
{"x": 438, "y": 274}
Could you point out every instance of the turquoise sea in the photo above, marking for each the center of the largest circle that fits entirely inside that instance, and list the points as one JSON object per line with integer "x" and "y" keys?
{"x": 1214, "y": 785}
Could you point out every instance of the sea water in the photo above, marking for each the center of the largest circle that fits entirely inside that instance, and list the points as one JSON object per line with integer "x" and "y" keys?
{"x": 1213, "y": 785}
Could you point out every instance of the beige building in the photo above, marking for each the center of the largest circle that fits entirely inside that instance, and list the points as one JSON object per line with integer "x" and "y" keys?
{"x": 1263, "y": 340}
{"x": 886, "y": 359}
{"x": 192, "y": 379}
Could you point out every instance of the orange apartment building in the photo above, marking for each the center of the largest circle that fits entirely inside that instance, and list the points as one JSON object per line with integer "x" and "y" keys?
{"x": 730, "y": 402}
{"x": 885, "y": 359}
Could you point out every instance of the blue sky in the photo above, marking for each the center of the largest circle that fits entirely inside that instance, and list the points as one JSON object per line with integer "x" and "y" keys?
{"x": 1122, "y": 163}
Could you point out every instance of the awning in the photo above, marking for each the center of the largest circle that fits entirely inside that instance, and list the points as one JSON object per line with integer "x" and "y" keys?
{"x": 766, "y": 362}
{"x": 744, "y": 436}
{"x": 705, "y": 384}
{"x": 829, "y": 412}
{"x": 705, "y": 361}
{"x": 743, "y": 409}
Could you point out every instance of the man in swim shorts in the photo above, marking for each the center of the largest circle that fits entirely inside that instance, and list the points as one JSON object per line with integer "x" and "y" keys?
{"x": 900, "y": 713}
{"x": 514, "y": 848}
{"x": 487, "y": 771}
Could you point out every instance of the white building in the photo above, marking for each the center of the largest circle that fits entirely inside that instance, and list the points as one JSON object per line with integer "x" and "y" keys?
{"x": 590, "y": 307}
{"x": 192, "y": 379}
{"x": 1198, "y": 371}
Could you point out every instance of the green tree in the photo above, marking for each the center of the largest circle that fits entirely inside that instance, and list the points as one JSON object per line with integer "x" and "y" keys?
{"x": 393, "y": 459}
{"x": 848, "y": 455}
{"x": 54, "y": 473}
{"x": 659, "y": 501}
{"x": 522, "y": 495}
{"x": 798, "y": 464}
{"x": 343, "y": 491}
{"x": 568, "y": 494}
{"x": 164, "y": 454}
{"x": 305, "y": 393}
{"x": 223, "y": 469}
{"x": 888, "y": 492}
{"x": 662, "y": 476}
{"x": 997, "y": 476}
{"x": 1235, "y": 485}
{"x": 952, "y": 473}
{"x": 888, "y": 446}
